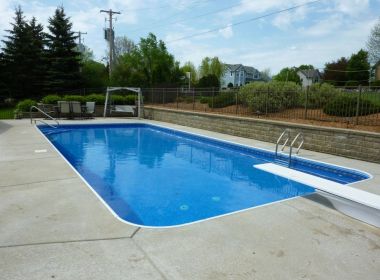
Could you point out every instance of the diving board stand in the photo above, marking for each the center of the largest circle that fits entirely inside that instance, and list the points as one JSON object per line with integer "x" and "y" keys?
{"x": 353, "y": 202}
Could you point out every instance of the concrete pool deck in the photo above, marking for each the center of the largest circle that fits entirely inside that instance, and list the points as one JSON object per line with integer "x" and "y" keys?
{"x": 53, "y": 227}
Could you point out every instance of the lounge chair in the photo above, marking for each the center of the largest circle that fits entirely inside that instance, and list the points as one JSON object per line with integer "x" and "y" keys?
{"x": 76, "y": 109}
{"x": 64, "y": 108}
{"x": 90, "y": 109}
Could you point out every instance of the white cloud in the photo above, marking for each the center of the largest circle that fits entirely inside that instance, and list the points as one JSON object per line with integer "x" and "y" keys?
{"x": 351, "y": 7}
{"x": 227, "y": 32}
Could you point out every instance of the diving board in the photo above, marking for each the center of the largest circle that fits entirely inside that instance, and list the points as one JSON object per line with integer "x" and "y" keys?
{"x": 368, "y": 204}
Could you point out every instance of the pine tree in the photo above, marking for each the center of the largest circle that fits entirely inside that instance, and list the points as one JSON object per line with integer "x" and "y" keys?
{"x": 64, "y": 60}
{"x": 22, "y": 63}
{"x": 15, "y": 51}
{"x": 36, "y": 60}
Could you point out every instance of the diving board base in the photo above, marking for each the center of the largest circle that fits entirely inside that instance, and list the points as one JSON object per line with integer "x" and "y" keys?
{"x": 353, "y": 202}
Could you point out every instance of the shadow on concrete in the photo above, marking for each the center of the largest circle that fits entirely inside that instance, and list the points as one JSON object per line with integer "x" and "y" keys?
{"x": 4, "y": 126}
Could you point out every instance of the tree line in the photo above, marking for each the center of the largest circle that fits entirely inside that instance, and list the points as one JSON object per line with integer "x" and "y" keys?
{"x": 345, "y": 71}
{"x": 34, "y": 62}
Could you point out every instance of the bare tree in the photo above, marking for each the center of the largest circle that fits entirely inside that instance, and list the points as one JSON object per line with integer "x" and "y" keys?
{"x": 373, "y": 44}
{"x": 122, "y": 46}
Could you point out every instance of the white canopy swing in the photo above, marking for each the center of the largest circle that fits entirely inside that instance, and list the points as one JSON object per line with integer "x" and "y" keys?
{"x": 124, "y": 108}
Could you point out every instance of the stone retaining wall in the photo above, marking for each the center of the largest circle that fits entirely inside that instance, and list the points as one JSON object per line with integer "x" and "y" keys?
{"x": 342, "y": 142}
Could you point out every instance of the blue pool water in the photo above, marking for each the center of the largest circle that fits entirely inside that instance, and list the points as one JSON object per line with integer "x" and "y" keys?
{"x": 155, "y": 176}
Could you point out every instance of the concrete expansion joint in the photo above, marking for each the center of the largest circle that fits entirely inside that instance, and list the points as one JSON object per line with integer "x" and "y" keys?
{"x": 38, "y": 182}
{"x": 64, "y": 242}
{"x": 135, "y": 232}
{"x": 150, "y": 260}
{"x": 27, "y": 159}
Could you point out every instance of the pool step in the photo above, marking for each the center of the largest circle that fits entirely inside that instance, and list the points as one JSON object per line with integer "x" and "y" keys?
{"x": 281, "y": 162}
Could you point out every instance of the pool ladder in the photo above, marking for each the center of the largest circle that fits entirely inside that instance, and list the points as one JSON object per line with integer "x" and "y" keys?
{"x": 285, "y": 136}
{"x": 45, "y": 114}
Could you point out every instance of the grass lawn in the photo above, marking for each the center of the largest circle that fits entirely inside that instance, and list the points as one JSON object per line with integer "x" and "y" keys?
{"x": 6, "y": 113}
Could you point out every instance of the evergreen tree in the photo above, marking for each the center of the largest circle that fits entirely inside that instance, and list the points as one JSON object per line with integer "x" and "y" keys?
{"x": 15, "y": 51}
{"x": 36, "y": 59}
{"x": 335, "y": 72}
{"x": 23, "y": 64}
{"x": 358, "y": 67}
{"x": 64, "y": 60}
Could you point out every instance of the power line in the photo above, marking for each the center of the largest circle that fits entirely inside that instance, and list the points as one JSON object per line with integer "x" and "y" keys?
{"x": 343, "y": 71}
{"x": 153, "y": 24}
{"x": 161, "y": 7}
{"x": 190, "y": 18}
{"x": 244, "y": 21}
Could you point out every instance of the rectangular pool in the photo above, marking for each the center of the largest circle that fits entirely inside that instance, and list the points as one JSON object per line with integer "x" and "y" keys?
{"x": 154, "y": 176}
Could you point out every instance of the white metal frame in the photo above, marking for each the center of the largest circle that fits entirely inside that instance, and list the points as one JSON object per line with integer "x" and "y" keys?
{"x": 111, "y": 89}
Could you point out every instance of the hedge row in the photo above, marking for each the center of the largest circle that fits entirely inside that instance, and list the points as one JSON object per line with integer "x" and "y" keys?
{"x": 98, "y": 98}
{"x": 24, "y": 105}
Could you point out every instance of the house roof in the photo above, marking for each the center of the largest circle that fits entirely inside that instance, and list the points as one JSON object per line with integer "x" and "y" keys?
{"x": 235, "y": 67}
{"x": 311, "y": 73}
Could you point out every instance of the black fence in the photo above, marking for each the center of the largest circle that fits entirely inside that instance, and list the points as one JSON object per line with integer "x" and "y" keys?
{"x": 322, "y": 105}
{"x": 345, "y": 106}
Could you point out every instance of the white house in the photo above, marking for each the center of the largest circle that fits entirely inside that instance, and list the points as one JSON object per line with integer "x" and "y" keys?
{"x": 238, "y": 75}
{"x": 309, "y": 77}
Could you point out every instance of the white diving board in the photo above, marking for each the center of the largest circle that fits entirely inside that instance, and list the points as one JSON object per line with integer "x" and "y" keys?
{"x": 370, "y": 201}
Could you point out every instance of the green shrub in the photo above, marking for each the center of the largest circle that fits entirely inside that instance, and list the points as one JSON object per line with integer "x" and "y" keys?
{"x": 99, "y": 99}
{"x": 319, "y": 95}
{"x": 123, "y": 100}
{"x": 204, "y": 99}
{"x": 222, "y": 100}
{"x": 270, "y": 97}
{"x": 345, "y": 106}
{"x": 130, "y": 100}
{"x": 24, "y": 105}
{"x": 51, "y": 99}
{"x": 352, "y": 84}
{"x": 79, "y": 98}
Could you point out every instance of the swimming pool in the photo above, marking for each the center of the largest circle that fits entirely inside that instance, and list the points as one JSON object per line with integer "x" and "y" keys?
{"x": 155, "y": 176}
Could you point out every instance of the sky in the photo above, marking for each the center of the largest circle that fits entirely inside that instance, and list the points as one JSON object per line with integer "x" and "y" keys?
{"x": 313, "y": 34}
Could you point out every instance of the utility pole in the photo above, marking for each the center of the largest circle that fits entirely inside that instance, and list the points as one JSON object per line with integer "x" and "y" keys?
{"x": 110, "y": 37}
{"x": 80, "y": 45}
{"x": 80, "y": 33}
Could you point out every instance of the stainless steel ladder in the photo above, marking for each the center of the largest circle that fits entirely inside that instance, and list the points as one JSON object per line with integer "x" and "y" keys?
{"x": 299, "y": 135}
{"x": 286, "y": 133}
{"x": 45, "y": 114}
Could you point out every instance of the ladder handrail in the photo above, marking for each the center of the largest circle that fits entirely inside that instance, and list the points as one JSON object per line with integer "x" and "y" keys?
{"x": 287, "y": 132}
{"x": 292, "y": 144}
{"x": 45, "y": 114}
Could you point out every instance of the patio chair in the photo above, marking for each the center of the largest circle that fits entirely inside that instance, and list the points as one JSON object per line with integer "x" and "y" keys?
{"x": 64, "y": 109}
{"x": 76, "y": 109}
{"x": 90, "y": 109}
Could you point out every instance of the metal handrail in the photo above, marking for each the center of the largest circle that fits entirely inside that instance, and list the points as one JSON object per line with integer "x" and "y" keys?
{"x": 292, "y": 144}
{"x": 45, "y": 114}
{"x": 287, "y": 132}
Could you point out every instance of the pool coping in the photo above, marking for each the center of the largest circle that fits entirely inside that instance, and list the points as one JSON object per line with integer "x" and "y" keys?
{"x": 198, "y": 135}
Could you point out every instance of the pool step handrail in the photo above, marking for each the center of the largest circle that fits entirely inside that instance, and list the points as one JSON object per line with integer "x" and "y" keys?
{"x": 286, "y": 133}
{"x": 299, "y": 135}
{"x": 45, "y": 114}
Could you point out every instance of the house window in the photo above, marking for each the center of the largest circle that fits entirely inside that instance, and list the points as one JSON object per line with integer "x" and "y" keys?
{"x": 231, "y": 73}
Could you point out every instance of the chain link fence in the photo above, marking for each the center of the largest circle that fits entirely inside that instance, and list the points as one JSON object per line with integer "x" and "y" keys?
{"x": 340, "y": 107}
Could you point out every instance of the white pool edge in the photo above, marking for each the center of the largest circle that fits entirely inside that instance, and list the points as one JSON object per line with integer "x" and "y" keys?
{"x": 190, "y": 223}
